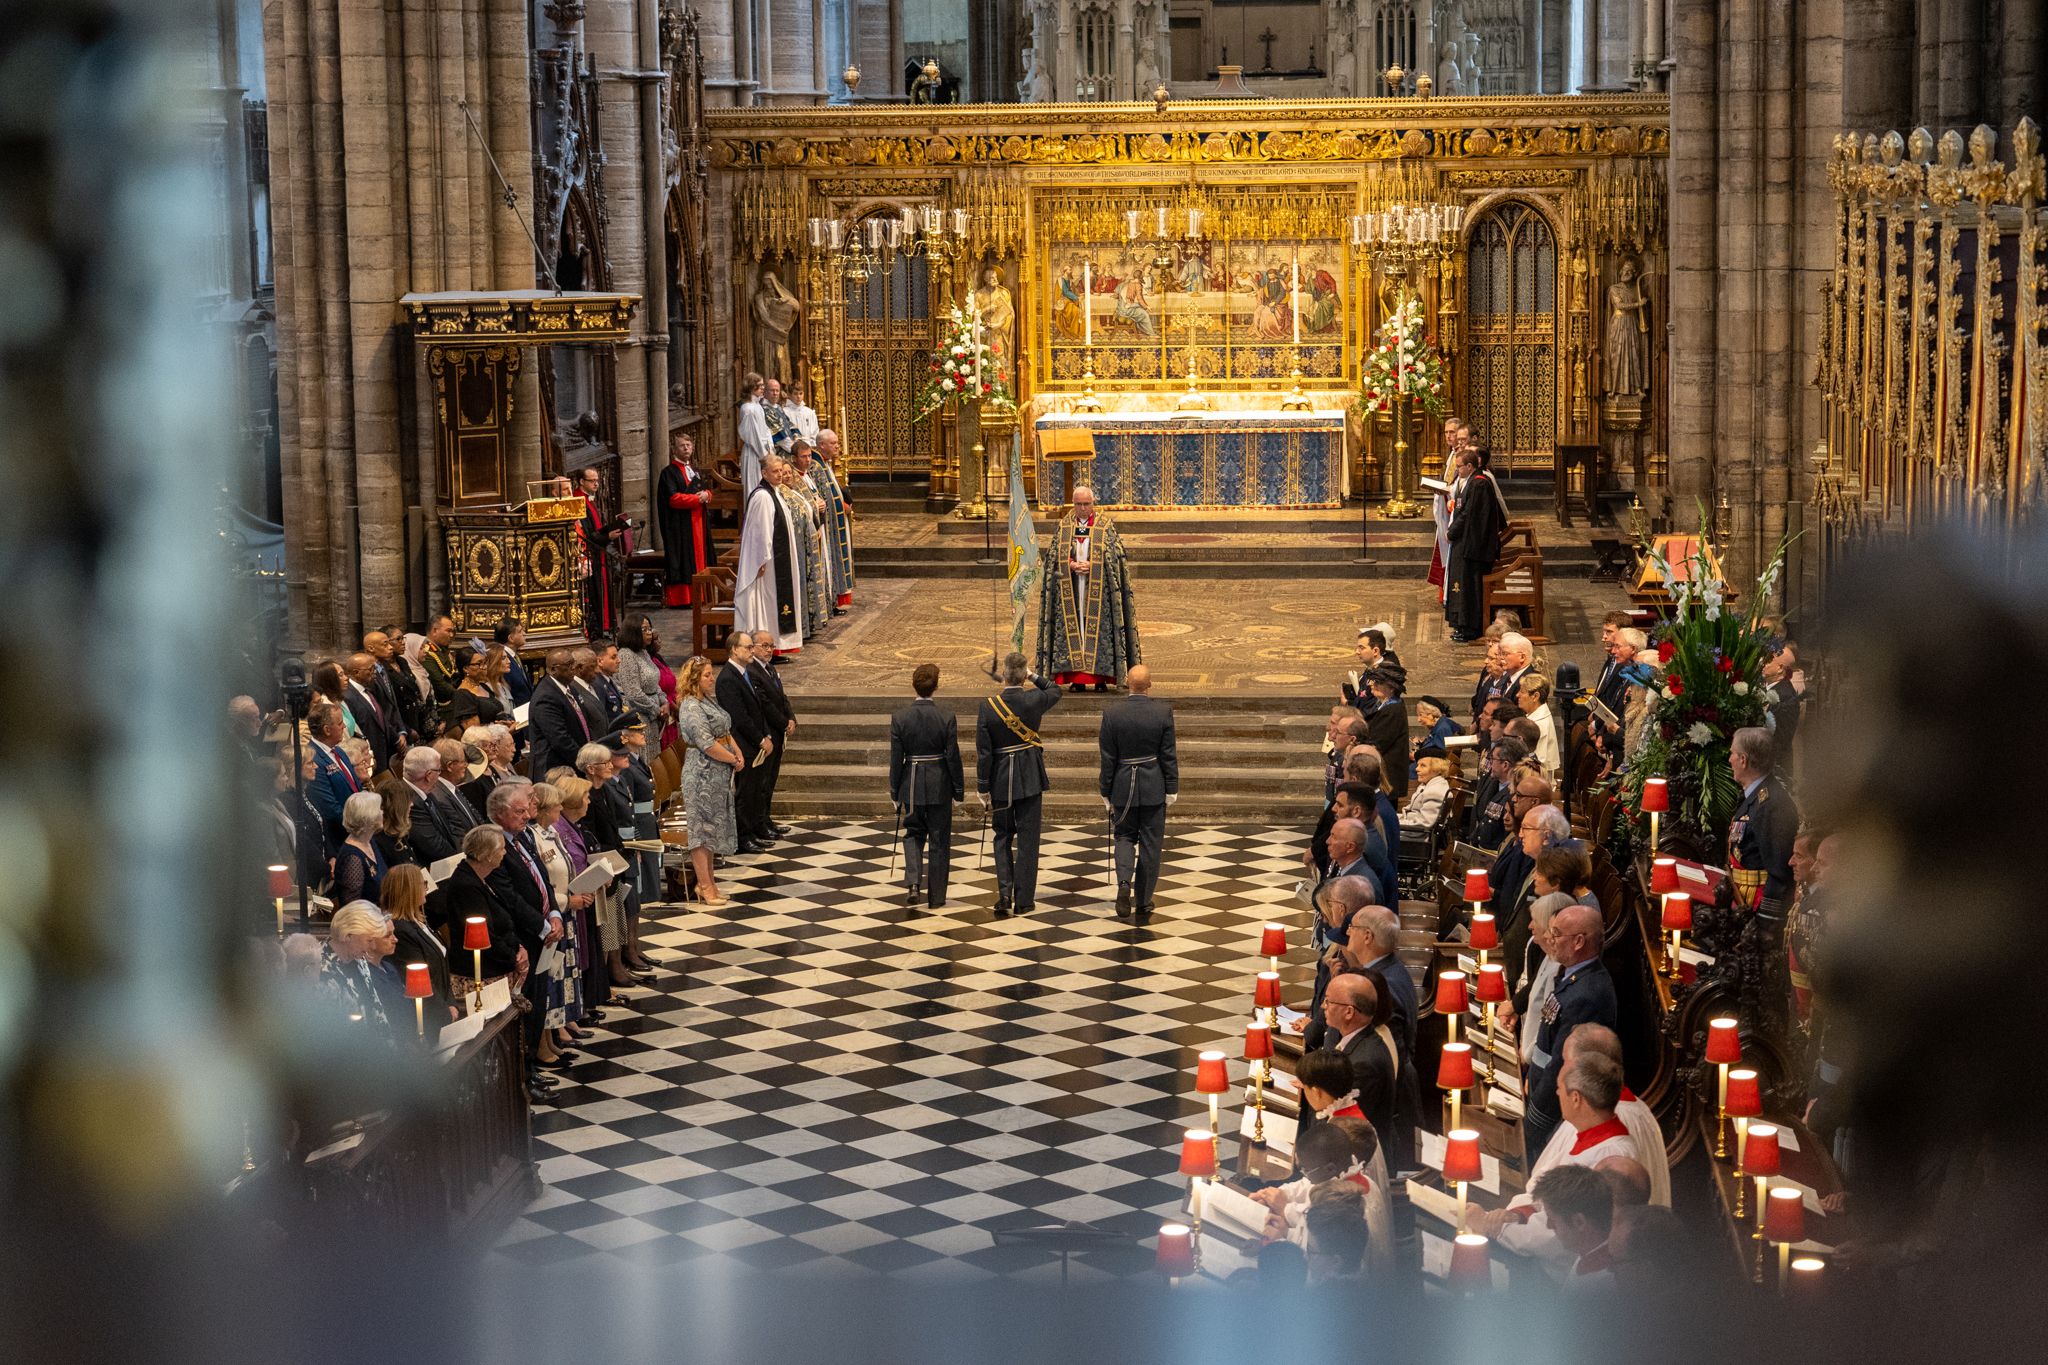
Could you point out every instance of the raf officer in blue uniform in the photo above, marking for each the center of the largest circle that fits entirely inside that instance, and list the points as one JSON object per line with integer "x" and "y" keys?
{"x": 1009, "y": 775}
{"x": 1762, "y": 830}
{"x": 1584, "y": 995}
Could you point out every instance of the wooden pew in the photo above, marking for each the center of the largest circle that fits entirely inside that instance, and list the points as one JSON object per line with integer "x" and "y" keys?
{"x": 1517, "y": 580}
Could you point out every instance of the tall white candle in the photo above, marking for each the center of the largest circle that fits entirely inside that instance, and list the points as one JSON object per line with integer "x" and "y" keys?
{"x": 1294, "y": 300}
{"x": 1162, "y": 220}
{"x": 1087, "y": 303}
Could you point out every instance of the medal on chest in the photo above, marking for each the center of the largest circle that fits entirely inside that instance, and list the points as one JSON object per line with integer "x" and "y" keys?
{"x": 1550, "y": 1010}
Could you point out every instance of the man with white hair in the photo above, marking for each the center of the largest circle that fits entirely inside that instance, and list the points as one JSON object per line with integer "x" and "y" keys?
{"x": 1586, "y": 1093}
{"x": 768, "y": 583}
{"x": 1641, "y": 1122}
{"x": 1584, "y": 994}
{"x": 1087, "y": 618}
{"x": 838, "y": 519}
{"x": 430, "y": 834}
{"x": 1518, "y": 656}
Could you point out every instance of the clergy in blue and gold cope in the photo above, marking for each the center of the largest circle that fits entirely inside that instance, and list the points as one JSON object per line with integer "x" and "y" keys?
{"x": 1087, "y": 618}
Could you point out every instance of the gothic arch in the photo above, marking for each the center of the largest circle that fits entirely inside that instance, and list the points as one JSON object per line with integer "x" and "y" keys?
{"x": 1513, "y": 250}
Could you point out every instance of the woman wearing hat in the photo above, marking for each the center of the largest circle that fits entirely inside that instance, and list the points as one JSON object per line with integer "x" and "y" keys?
{"x": 1386, "y": 724}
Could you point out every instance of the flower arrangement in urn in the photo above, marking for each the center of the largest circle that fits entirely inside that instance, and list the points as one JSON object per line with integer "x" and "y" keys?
{"x": 962, "y": 368}
{"x": 1403, "y": 366}
{"x": 1705, "y": 674}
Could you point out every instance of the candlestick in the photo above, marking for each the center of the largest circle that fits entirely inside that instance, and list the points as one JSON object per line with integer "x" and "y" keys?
{"x": 1294, "y": 298}
{"x": 1162, "y": 220}
{"x": 1088, "y": 302}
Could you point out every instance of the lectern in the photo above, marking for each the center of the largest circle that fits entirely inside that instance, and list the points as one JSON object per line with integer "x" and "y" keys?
{"x": 1064, "y": 447}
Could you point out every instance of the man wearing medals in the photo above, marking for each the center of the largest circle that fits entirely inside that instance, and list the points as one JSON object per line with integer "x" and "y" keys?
{"x": 1010, "y": 777}
{"x": 1762, "y": 832}
{"x": 1087, "y": 620}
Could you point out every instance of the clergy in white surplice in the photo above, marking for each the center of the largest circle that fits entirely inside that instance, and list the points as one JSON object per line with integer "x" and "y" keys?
{"x": 768, "y": 586}
{"x": 755, "y": 441}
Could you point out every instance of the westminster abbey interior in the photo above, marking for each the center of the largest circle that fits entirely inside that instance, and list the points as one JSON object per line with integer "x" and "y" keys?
{"x": 627, "y": 512}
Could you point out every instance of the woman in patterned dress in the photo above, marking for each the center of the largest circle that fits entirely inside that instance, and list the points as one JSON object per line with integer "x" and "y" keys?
{"x": 711, "y": 759}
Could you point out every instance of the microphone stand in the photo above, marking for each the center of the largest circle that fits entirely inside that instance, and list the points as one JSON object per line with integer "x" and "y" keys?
{"x": 298, "y": 700}
{"x": 1570, "y": 694}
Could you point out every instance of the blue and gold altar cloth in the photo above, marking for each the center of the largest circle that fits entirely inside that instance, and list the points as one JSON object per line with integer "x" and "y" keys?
{"x": 1203, "y": 459}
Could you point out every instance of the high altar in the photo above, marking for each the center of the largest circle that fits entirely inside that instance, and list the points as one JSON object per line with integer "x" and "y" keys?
{"x": 1196, "y": 283}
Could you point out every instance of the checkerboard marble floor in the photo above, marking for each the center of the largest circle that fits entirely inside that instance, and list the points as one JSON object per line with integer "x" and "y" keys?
{"x": 824, "y": 1082}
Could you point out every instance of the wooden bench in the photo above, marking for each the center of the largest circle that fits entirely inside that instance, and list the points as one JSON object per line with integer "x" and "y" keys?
{"x": 1516, "y": 582}
{"x": 711, "y": 615}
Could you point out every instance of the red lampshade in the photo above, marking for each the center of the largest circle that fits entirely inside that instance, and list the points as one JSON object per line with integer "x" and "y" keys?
{"x": 1760, "y": 1154}
{"x": 1198, "y": 1153}
{"x": 1785, "y": 1215}
{"x": 1258, "y": 1042}
{"x": 476, "y": 933}
{"x": 1176, "y": 1256}
{"x": 1211, "y": 1076}
{"x": 1805, "y": 1281}
{"x": 1450, "y": 993}
{"x": 1677, "y": 911}
{"x": 1663, "y": 876}
{"x": 280, "y": 881}
{"x": 1745, "y": 1097}
{"x": 1469, "y": 1266}
{"x": 1477, "y": 888}
{"x": 1454, "y": 1067}
{"x": 1493, "y": 984}
{"x": 1724, "y": 1041}
{"x": 1656, "y": 795}
{"x": 418, "y": 984}
{"x": 1273, "y": 941}
{"x": 1485, "y": 932}
{"x": 1461, "y": 1155}
{"x": 1266, "y": 995}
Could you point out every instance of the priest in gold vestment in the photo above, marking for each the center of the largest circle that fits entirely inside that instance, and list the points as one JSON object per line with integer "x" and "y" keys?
{"x": 1087, "y": 619}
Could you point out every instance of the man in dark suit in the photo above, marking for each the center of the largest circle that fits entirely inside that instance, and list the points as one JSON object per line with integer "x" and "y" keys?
{"x": 1140, "y": 778}
{"x": 335, "y": 779}
{"x": 583, "y": 687}
{"x": 555, "y": 722}
{"x": 523, "y": 888}
{"x": 430, "y": 835}
{"x": 925, "y": 779}
{"x": 377, "y": 725}
{"x": 512, "y": 635}
{"x": 1350, "y": 1003}
{"x": 1010, "y": 776}
{"x": 1478, "y": 518}
{"x": 740, "y": 699}
{"x": 459, "y": 815}
{"x": 780, "y": 715}
{"x": 383, "y": 650}
{"x": 1584, "y": 994}
{"x": 1492, "y": 793}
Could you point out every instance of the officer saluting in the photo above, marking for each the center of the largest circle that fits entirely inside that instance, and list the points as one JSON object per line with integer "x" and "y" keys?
{"x": 1009, "y": 773}
{"x": 1140, "y": 779}
{"x": 925, "y": 779}
{"x": 1763, "y": 829}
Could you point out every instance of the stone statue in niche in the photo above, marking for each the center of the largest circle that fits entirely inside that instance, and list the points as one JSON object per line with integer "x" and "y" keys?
{"x": 1628, "y": 336}
{"x": 995, "y": 314}
{"x": 1031, "y": 84}
{"x": 775, "y": 311}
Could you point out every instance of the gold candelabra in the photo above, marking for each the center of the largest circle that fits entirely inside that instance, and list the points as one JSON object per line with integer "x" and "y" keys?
{"x": 1396, "y": 240}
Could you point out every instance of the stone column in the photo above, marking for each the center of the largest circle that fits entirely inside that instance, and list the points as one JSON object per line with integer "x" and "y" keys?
{"x": 1694, "y": 247}
{"x": 1126, "y": 53}
{"x": 2022, "y": 86}
{"x": 1532, "y": 46}
{"x": 1962, "y": 64}
{"x": 1065, "y": 74}
{"x": 611, "y": 36}
{"x": 717, "y": 36}
{"x": 789, "y": 59}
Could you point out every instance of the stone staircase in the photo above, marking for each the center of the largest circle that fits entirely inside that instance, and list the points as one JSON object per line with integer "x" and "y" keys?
{"x": 1242, "y": 759}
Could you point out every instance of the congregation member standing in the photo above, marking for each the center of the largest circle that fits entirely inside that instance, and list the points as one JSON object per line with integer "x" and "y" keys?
{"x": 1140, "y": 778}
{"x": 780, "y": 714}
{"x": 1010, "y": 776}
{"x": 1584, "y": 994}
{"x": 711, "y": 760}
{"x": 740, "y": 698}
{"x": 925, "y": 779}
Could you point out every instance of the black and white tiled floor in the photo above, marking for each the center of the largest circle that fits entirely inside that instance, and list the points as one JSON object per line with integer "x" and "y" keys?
{"x": 830, "y": 1083}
